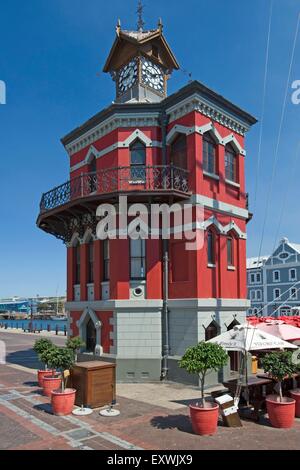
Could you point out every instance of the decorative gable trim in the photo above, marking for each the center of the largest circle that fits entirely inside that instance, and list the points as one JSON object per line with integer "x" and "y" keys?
{"x": 224, "y": 229}
{"x": 235, "y": 143}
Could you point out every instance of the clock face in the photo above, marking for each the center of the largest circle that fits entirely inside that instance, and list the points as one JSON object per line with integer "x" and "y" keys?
{"x": 127, "y": 76}
{"x": 152, "y": 75}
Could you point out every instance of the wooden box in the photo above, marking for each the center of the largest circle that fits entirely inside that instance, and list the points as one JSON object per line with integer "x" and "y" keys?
{"x": 95, "y": 383}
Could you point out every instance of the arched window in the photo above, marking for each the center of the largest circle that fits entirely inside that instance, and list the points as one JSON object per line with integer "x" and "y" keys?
{"x": 211, "y": 331}
{"x": 137, "y": 161}
{"x": 77, "y": 263}
{"x": 230, "y": 164}
{"x": 209, "y": 154}
{"x": 93, "y": 174}
{"x": 106, "y": 259}
{"x": 178, "y": 152}
{"x": 137, "y": 259}
{"x": 210, "y": 247}
{"x": 230, "y": 251}
{"x": 91, "y": 261}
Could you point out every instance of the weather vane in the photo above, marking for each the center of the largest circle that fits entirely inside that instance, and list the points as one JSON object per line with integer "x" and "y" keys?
{"x": 140, "y": 10}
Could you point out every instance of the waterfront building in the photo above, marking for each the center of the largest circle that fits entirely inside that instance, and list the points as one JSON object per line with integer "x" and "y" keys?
{"x": 273, "y": 281}
{"x": 143, "y": 302}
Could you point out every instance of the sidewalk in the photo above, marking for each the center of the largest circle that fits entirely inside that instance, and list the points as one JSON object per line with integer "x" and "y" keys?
{"x": 153, "y": 416}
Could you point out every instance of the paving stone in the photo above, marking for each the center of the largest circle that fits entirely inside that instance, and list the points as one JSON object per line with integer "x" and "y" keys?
{"x": 80, "y": 434}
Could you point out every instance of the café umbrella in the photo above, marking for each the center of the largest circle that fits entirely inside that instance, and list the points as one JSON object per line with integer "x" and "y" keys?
{"x": 280, "y": 329}
{"x": 245, "y": 338}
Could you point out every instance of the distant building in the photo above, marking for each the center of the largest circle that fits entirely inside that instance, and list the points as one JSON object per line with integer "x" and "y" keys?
{"x": 275, "y": 280}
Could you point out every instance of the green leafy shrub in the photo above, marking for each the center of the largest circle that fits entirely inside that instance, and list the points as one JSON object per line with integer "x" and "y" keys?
{"x": 40, "y": 347}
{"x": 75, "y": 344}
{"x": 201, "y": 358}
{"x": 61, "y": 359}
{"x": 279, "y": 365}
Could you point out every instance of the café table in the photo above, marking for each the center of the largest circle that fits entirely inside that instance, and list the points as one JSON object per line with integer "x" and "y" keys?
{"x": 257, "y": 388}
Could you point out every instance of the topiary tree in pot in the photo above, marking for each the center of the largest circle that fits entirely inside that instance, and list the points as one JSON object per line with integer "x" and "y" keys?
{"x": 41, "y": 346}
{"x": 75, "y": 344}
{"x": 50, "y": 381}
{"x": 62, "y": 400}
{"x": 199, "y": 360}
{"x": 281, "y": 410}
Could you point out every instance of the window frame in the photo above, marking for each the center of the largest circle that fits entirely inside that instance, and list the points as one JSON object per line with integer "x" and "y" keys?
{"x": 106, "y": 260}
{"x": 90, "y": 259}
{"x": 293, "y": 293}
{"x": 211, "y": 248}
{"x": 142, "y": 259}
{"x": 230, "y": 260}
{"x": 290, "y": 277}
{"x": 77, "y": 263}
{"x": 274, "y": 293}
{"x": 273, "y": 274}
{"x": 231, "y": 162}
{"x": 208, "y": 142}
{"x": 137, "y": 170}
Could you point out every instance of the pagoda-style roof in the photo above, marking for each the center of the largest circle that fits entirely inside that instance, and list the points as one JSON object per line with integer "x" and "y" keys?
{"x": 127, "y": 43}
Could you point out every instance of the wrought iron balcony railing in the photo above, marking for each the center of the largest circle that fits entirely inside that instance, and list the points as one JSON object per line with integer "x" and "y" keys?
{"x": 157, "y": 178}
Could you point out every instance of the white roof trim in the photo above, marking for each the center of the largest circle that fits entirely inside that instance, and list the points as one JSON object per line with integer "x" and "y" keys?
{"x": 209, "y": 127}
{"x": 137, "y": 134}
{"x": 235, "y": 143}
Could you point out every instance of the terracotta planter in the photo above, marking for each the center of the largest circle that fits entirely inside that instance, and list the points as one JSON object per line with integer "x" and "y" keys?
{"x": 281, "y": 414}
{"x": 41, "y": 374}
{"x": 63, "y": 402}
{"x": 50, "y": 383}
{"x": 205, "y": 420}
{"x": 295, "y": 394}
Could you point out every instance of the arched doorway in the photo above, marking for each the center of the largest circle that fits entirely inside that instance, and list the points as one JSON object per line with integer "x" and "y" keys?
{"x": 91, "y": 334}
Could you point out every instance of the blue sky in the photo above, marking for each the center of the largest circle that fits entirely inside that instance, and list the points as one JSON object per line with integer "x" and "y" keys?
{"x": 51, "y": 58}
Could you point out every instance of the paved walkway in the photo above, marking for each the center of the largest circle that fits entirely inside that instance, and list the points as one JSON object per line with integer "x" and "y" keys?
{"x": 162, "y": 423}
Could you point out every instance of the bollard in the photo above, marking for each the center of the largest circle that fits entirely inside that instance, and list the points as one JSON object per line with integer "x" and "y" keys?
{"x": 5, "y": 326}
{"x": 48, "y": 328}
{"x": 56, "y": 330}
{"x": 65, "y": 330}
{"x": 17, "y": 326}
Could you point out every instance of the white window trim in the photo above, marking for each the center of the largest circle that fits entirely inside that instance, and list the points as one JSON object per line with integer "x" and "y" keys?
{"x": 290, "y": 277}
{"x": 260, "y": 294}
{"x": 252, "y": 295}
{"x": 256, "y": 275}
{"x": 252, "y": 282}
{"x": 291, "y": 293}
{"x": 276, "y": 271}
{"x": 274, "y": 296}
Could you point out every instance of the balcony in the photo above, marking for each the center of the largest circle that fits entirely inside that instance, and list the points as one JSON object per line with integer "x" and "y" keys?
{"x": 83, "y": 193}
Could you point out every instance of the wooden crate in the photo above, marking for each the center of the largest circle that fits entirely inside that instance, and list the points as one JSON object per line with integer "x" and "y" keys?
{"x": 95, "y": 383}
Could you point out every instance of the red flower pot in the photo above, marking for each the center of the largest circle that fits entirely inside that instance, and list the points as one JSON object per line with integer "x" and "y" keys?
{"x": 295, "y": 394}
{"x": 41, "y": 374}
{"x": 63, "y": 402}
{"x": 204, "y": 420}
{"x": 50, "y": 383}
{"x": 281, "y": 413}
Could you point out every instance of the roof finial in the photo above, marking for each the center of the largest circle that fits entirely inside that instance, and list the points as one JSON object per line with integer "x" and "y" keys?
{"x": 160, "y": 25}
{"x": 118, "y": 27}
{"x": 140, "y": 10}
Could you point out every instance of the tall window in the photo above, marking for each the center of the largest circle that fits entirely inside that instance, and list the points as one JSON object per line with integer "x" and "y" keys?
{"x": 137, "y": 259}
{"x": 230, "y": 256}
{"x": 293, "y": 274}
{"x": 178, "y": 152}
{"x": 211, "y": 331}
{"x": 77, "y": 263}
{"x": 252, "y": 278}
{"x": 276, "y": 293}
{"x": 209, "y": 154}
{"x": 230, "y": 164}
{"x": 276, "y": 276}
{"x": 93, "y": 175}
{"x": 210, "y": 247}
{"x": 106, "y": 260}
{"x": 137, "y": 161}
{"x": 293, "y": 293}
{"x": 91, "y": 261}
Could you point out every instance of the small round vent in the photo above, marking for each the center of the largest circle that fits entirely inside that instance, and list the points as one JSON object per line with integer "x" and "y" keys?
{"x": 138, "y": 291}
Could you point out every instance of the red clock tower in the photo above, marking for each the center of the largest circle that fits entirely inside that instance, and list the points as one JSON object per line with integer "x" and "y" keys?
{"x": 142, "y": 302}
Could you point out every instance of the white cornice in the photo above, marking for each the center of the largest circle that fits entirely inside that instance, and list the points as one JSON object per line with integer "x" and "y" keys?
{"x": 116, "y": 121}
{"x": 219, "y": 206}
{"x": 209, "y": 127}
{"x": 196, "y": 102}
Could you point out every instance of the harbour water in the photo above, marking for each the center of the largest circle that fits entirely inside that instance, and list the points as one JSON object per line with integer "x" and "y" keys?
{"x": 47, "y": 325}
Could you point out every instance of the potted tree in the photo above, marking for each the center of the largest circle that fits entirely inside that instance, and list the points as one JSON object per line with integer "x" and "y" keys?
{"x": 50, "y": 381}
{"x": 199, "y": 360}
{"x": 281, "y": 410}
{"x": 63, "y": 399}
{"x": 39, "y": 347}
{"x": 75, "y": 344}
